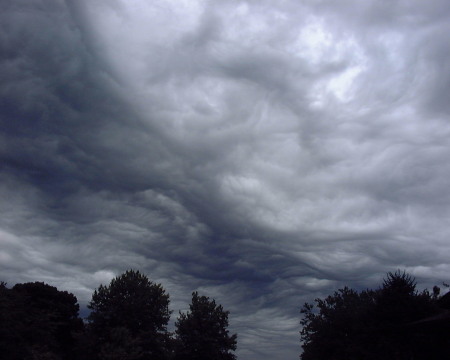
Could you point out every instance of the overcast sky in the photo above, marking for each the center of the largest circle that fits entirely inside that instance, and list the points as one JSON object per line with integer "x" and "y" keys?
{"x": 261, "y": 152}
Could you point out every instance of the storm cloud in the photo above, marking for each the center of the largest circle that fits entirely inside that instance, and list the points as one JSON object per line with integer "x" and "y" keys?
{"x": 261, "y": 153}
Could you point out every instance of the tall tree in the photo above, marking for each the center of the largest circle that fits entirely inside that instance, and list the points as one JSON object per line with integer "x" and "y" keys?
{"x": 131, "y": 310}
{"x": 202, "y": 332}
{"x": 370, "y": 324}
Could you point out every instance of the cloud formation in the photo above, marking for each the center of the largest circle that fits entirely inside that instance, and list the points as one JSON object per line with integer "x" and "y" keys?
{"x": 263, "y": 154}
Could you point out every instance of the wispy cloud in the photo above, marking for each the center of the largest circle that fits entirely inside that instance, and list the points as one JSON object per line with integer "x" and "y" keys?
{"x": 263, "y": 154}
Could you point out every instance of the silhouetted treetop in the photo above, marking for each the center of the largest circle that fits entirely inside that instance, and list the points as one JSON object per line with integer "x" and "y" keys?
{"x": 130, "y": 317}
{"x": 202, "y": 332}
{"x": 38, "y": 321}
{"x": 132, "y": 301}
{"x": 399, "y": 283}
{"x": 374, "y": 324}
{"x": 128, "y": 321}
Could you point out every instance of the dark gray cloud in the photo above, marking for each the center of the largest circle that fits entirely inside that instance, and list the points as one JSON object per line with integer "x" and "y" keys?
{"x": 262, "y": 154}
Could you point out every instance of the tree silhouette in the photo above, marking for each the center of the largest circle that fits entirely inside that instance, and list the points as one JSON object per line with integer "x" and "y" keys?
{"x": 38, "y": 321}
{"x": 12, "y": 330}
{"x": 371, "y": 324}
{"x": 131, "y": 310}
{"x": 202, "y": 332}
{"x": 337, "y": 327}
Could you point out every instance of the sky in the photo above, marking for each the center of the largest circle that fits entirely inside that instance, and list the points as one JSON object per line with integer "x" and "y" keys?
{"x": 263, "y": 153}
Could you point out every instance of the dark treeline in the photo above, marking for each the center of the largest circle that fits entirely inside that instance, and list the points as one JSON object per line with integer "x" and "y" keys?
{"x": 128, "y": 321}
{"x": 394, "y": 322}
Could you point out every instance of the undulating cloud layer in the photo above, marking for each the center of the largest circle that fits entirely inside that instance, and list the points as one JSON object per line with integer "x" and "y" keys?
{"x": 263, "y": 153}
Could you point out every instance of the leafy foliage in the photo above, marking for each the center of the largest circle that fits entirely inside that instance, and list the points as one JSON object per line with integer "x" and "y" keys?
{"x": 370, "y": 324}
{"x": 121, "y": 346}
{"x": 338, "y": 328}
{"x": 128, "y": 321}
{"x": 130, "y": 310}
{"x": 202, "y": 332}
{"x": 38, "y": 321}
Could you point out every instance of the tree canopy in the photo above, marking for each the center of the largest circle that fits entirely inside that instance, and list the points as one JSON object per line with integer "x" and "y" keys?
{"x": 128, "y": 321}
{"x": 38, "y": 321}
{"x": 202, "y": 332}
{"x": 372, "y": 324}
{"x": 130, "y": 310}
